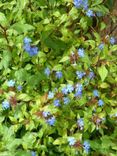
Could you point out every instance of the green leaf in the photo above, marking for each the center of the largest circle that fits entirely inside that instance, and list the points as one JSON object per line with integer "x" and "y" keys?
{"x": 6, "y": 58}
{"x": 3, "y": 19}
{"x": 59, "y": 141}
{"x": 114, "y": 48}
{"x": 22, "y": 28}
{"x": 97, "y": 2}
{"x": 103, "y": 72}
{"x": 21, "y": 75}
{"x": 64, "y": 59}
{"x": 24, "y": 97}
{"x": 57, "y": 67}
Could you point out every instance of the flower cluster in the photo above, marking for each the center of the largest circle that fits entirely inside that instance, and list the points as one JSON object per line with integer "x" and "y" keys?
{"x": 83, "y": 4}
{"x": 49, "y": 118}
{"x": 31, "y": 50}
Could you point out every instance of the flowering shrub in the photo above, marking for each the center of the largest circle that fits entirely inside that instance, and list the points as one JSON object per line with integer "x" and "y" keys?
{"x": 57, "y": 79}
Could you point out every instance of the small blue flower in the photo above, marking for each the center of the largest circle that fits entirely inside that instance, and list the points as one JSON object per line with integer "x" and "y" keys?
{"x": 91, "y": 75}
{"x": 64, "y": 90}
{"x": 81, "y": 52}
{"x": 33, "y": 51}
{"x": 71, "y": 141}
{"x": 47, "y": 71}
{"x": 89, "y": 13}
{"x": 81, "y": 4}
{"x": 57, "y": 102}
{"x": 50, "y": 95}
{"x": 101, "y": 46}
{"x": 70, "y": 88}
{"x": 11, "y": 83}
{"x": 80, "y": 123}
{"x": 78, "y": 90}
{"x": 85, "y": 4}
{"x": 78, "y": 3}
{"x": 27, "y": 40}
{"x": 5, "y": 105}
{"x": 80, "y": 74}
{"x": 86, "y": 146}
{"x": 112, "y": 40}
{"x": 45, "y": 114}
{"x": 66, "y": 100}
{"x": 79, "y": 87}
{"x": 33, "y": 153}
{"x": 59, "y": 74}
{"x": 51, "y": 121}
{"x": 19, "y": 88}
{"x": 96, "y": 93}
{"x": 100, "y": 102}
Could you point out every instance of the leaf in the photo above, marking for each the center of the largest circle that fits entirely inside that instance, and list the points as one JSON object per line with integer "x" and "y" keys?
{"x": 64, "y": 59}
{"x": 97, "y": 2}
{"x": 114, "y": 48}
{"x": 57, "y": 67}
{"x": 59, "y": 141}
{"x": 22, "y": 28}
{"x": 6, "y": 58}
{"x": 3, "y": 19}
{"x": 103, "y": 72}
{"x": 24, "y": 97}
{"x": 21, "y": 75}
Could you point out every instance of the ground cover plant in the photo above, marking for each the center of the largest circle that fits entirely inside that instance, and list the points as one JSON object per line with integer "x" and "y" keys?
{"x": 58, "y": 78}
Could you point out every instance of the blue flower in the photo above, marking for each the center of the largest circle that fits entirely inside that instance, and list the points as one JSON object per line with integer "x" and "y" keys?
{"x": 50, "y": 95}
{"x": 33, "y": 153}
{"x": 112, "y": 40}
{"x": 57, "y": 102}
{"x": 96, "y": 93}
{"x": 11, "y": 83}
{"x": 27, "y": 40}
{"x": 31, "y": 50}
{"x": 91, "y": 75}
{"x": 81, "y": 52}
{"x": 86, "y": 146}
{"x": 80, "y": 123}
{"x": 79, "y": 87}
{"x": 66, "y": 100}
{"x": 19, "y": 88}
{"x": 78, "y": 3}
{"x": 45, "y": 114}
{"x": 70, "y": 88}
{"x": 59, "y": 74}
{"x": 85, "y": 4}
{"x": 47, "y": 71}
{"x": 81, "y": 4}
{"x": 71, "y": 141}
{"x": 89, "y": 13}
{"x": 80, "y": 74}
{"x": 101, "y": 46}
{"x": 78, "y": 90}
{"x": 51, "y": 121}
{"x": 64, "y": 90}
{"x": 5, "y": 105}
{"x": 100, "y": 102}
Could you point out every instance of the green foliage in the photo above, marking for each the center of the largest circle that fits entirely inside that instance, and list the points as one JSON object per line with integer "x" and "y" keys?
{"x": 60, "y": 31}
